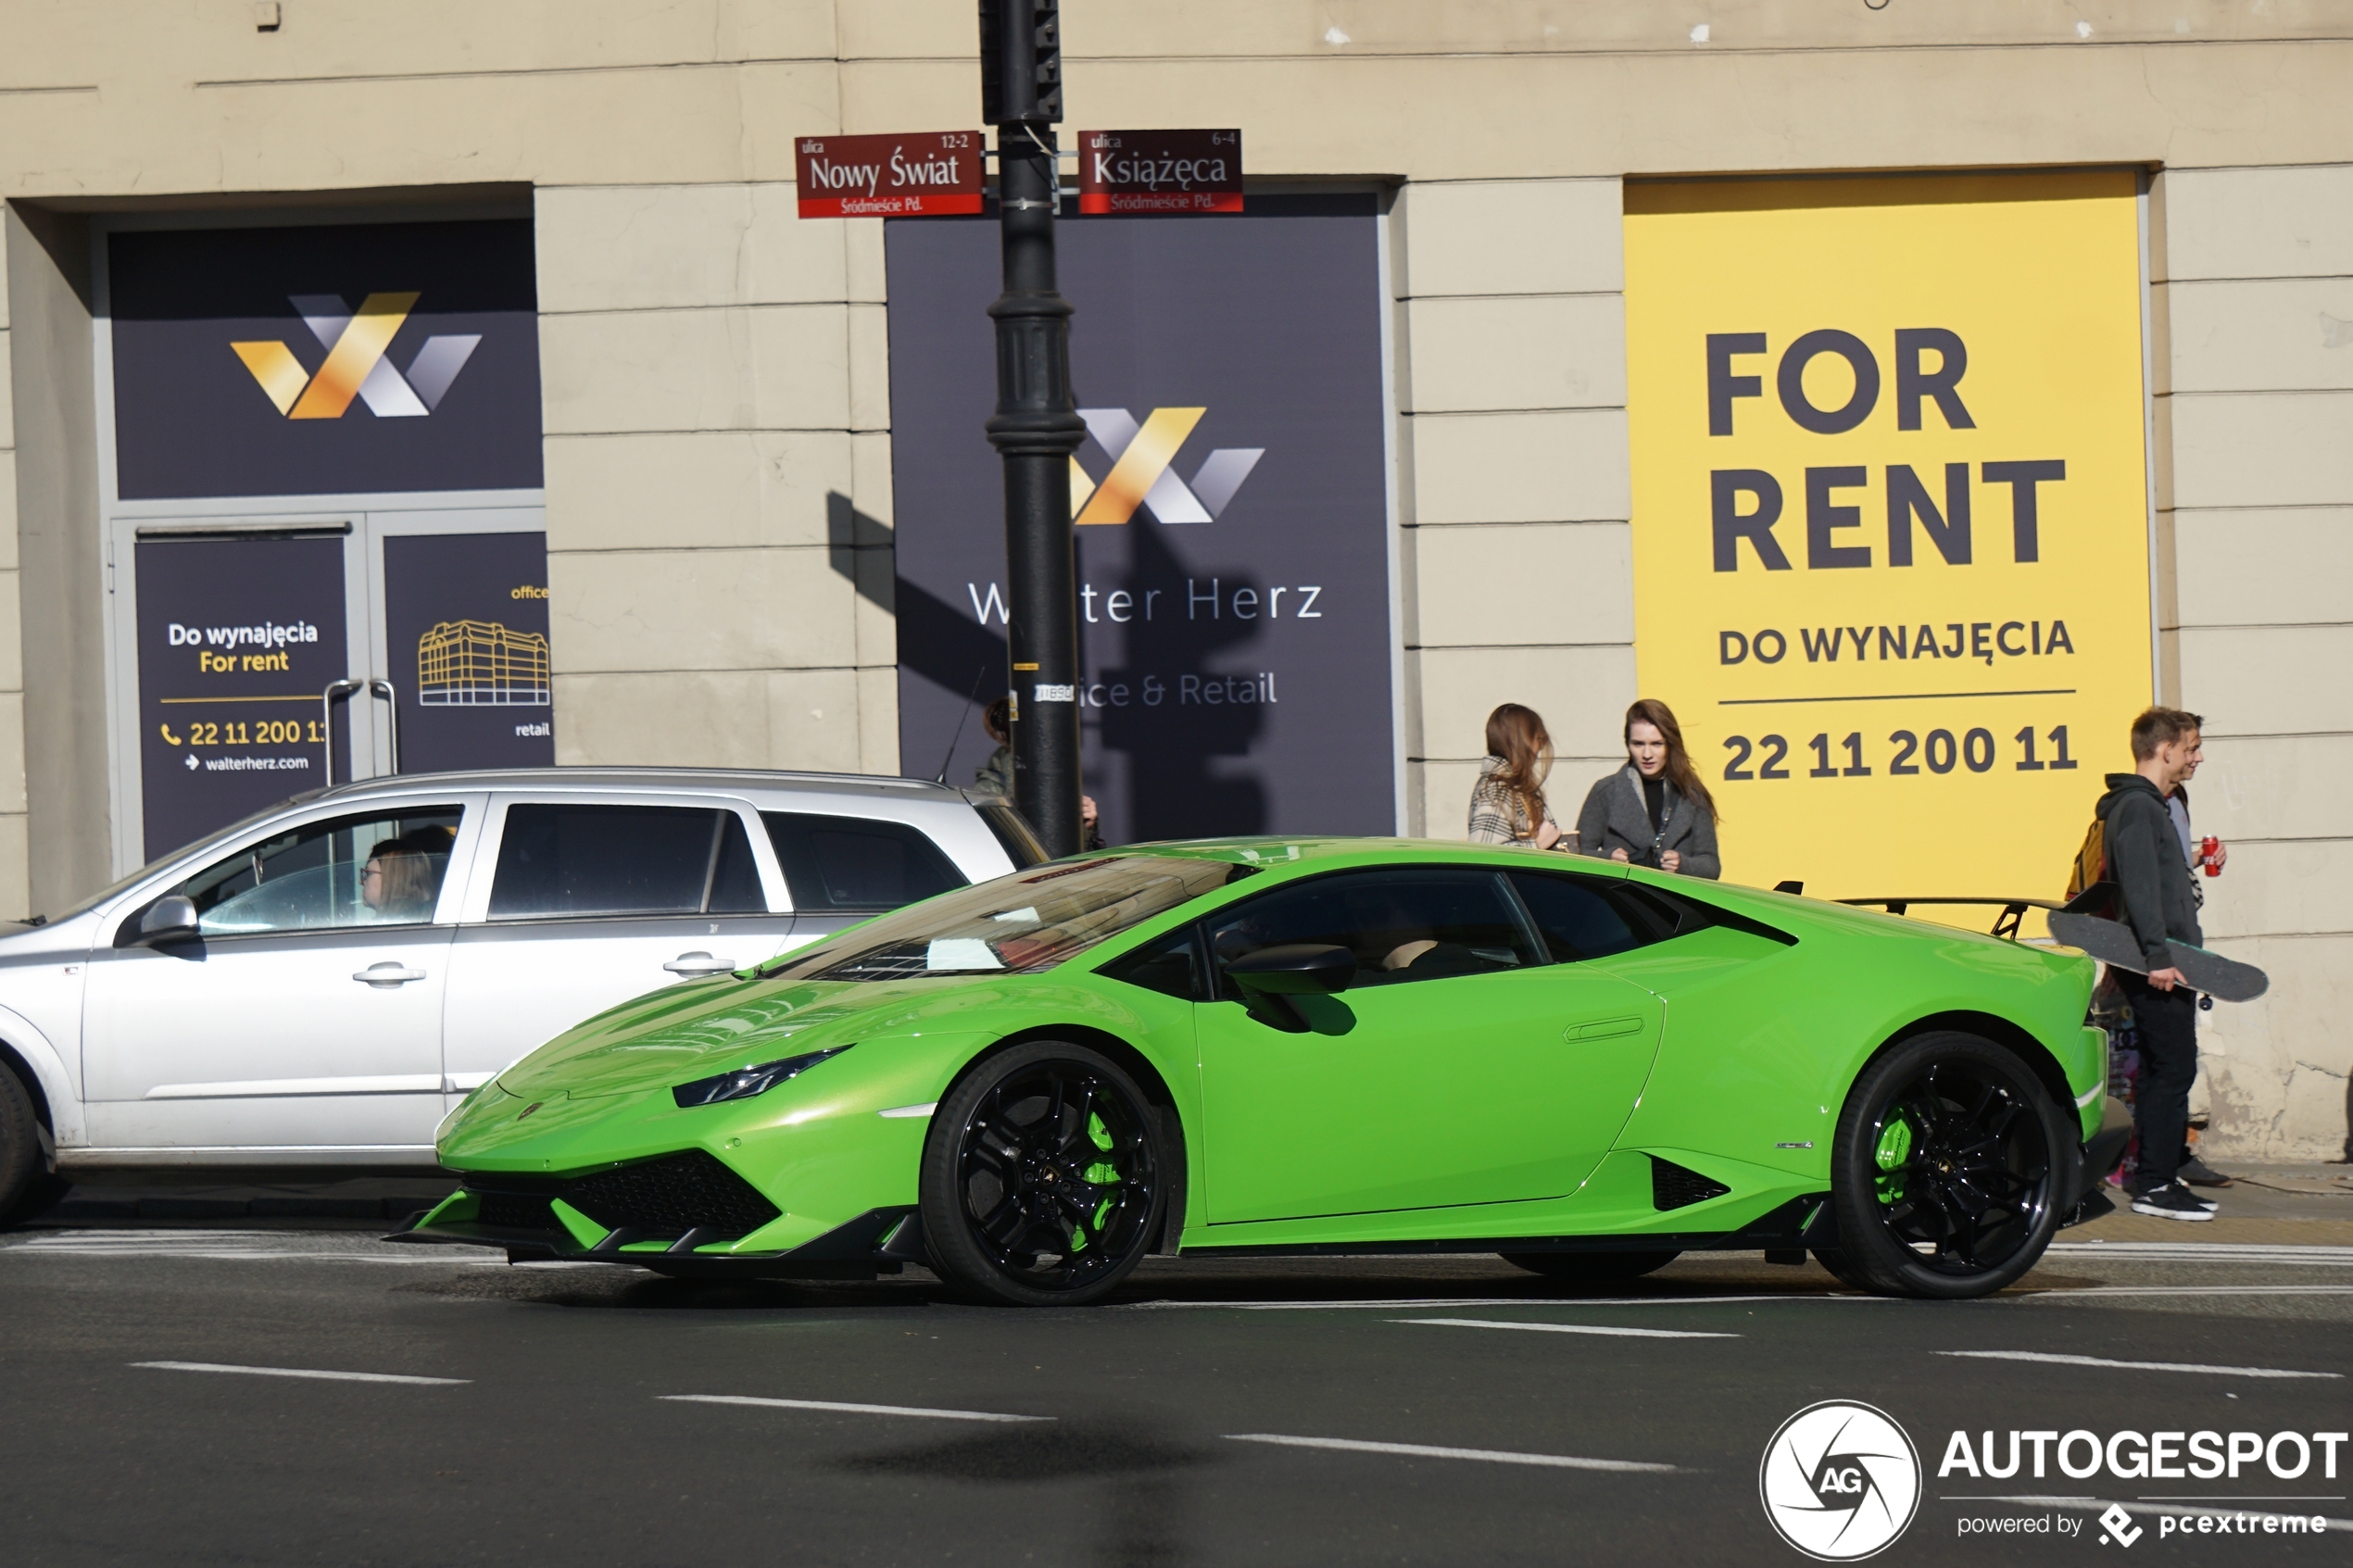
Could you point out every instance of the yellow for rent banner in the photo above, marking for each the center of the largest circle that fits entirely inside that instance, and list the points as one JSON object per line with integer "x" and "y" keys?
{"x": 1891, "y": 515}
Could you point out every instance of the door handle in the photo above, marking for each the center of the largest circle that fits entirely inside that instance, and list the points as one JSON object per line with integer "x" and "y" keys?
{"x": 384, "y": 976}
{"x": 699, "y": 964}
{"x": 1603, "y": 1028}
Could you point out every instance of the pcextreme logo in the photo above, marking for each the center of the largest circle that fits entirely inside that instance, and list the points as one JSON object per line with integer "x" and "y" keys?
{"x": 1140, "y": 471}
{"x": 356, "y": 363}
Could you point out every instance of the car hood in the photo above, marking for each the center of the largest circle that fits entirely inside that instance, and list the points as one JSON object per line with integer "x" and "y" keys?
{"x": 704, "y": 1027}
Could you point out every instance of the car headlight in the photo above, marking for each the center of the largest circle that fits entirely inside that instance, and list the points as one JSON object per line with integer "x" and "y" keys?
{"x": 746, "y": 1082}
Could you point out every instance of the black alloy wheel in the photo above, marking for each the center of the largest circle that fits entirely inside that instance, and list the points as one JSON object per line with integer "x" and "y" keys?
{"x": 1946, "y": 1170}
{"x": 1591, "y": 1268}
{"x": 1041, "y": 1177}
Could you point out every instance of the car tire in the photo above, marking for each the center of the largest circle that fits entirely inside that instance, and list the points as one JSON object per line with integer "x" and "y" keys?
{"x": 1835, "y": 1262}
{"x": 42, "y": 1194}
{"x": 1591, "y": 1268}
{"x": 1043, "y": 1181}
{"x": 21, "y": 1166}
{"x": 1946, "y": 1170}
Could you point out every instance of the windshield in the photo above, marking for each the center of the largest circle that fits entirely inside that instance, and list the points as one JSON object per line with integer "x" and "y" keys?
{"x": 1017, "y": 925}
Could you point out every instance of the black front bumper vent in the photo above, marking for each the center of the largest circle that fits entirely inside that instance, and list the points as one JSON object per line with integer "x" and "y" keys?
{"x": 673, "y": 1195}
{"x": 666, "y": 1197}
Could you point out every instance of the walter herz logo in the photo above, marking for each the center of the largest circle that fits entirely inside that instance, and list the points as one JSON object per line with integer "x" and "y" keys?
{"x": 1143, "y": 470}
{"x": 356, "y": 365}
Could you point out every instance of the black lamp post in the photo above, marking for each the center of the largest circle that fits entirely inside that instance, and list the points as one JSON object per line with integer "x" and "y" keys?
{"x": 1036, "y": 426}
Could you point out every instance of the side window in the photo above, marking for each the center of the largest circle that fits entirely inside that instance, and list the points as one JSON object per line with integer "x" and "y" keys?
{"x": 1420, "y": 924}
{"x": 1167, "y": 965}
{"x": 560, "y": 859}
{"x": 1013, "y": 833}
{"x": 735, "y": 875}
{"x": 860, "y": 864}
{"x": 1586, "y": 918}
{"x": 385, "y": 868}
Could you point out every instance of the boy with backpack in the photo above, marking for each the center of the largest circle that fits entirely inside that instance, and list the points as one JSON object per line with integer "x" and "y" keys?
{"x": 2140, "y": 851}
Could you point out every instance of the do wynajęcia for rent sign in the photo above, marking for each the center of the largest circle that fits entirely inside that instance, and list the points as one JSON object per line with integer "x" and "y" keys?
{"x": 1891, "y": 515}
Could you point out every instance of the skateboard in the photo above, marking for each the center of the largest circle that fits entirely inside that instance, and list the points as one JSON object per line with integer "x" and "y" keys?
{"x": 2113, "y": 943}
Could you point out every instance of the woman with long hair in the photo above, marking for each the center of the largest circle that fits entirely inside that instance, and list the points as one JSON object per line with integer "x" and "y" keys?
{"x": 1653, "y": 811}
{"x": 1507, "y": 804}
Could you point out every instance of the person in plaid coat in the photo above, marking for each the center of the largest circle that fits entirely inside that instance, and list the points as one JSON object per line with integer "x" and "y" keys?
{"x": 1507, "y": 804}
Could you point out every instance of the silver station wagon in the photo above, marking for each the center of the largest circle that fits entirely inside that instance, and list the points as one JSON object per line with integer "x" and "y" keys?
{"x": 316, "y": 985}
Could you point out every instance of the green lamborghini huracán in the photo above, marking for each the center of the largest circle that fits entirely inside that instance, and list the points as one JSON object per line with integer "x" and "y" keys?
{"x": 1336, "y": 1045}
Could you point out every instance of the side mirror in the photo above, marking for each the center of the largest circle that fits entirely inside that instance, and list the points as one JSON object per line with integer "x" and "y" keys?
{"x": 168, "y": 920}
{"x": 1272, "y": 976}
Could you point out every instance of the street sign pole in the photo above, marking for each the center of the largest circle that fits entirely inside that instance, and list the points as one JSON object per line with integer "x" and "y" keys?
{"x": 1037, "y": 428}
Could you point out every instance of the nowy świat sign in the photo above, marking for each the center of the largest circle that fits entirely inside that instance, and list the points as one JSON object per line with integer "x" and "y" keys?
{"x": 929, "y": 174}
{"x": 1890, "y": 514}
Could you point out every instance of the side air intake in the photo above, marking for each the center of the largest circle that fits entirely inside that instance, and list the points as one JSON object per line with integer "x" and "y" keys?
{"x": 1674, "y": 1186}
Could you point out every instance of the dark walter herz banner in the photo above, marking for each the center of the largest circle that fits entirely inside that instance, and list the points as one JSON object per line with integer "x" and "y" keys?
{"x": 1233, "y": 537}
{"x": 329, "y": 360}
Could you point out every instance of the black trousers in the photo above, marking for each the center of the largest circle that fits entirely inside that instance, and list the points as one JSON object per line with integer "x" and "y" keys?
{"x": 2167, "y": 1024}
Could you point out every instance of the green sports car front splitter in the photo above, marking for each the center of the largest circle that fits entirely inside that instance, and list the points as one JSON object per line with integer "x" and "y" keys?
{"x": 881, "y": 1241}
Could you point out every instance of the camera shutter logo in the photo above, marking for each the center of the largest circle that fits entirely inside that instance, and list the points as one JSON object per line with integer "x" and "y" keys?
{"x": 1840, "y": 1481}
{"x": 1140, "y": 473}
{"x": 356, "y": 366}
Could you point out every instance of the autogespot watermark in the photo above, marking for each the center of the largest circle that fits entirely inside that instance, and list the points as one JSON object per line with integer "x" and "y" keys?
{"x": 1841, "y": 1481}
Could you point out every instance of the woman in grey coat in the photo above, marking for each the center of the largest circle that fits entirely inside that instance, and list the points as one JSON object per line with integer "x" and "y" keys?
{"x": 1654, "y": 811}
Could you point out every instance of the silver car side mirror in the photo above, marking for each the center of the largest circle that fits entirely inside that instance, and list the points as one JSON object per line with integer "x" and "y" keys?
{"x": 168, "y": 920}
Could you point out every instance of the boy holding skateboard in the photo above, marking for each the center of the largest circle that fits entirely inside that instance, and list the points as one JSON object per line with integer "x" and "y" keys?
{"x": 2158, "y": 901}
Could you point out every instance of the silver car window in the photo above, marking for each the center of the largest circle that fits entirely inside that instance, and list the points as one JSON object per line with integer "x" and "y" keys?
{"x": 863, "y": 864}
{"x": 380, "y": 868}
{"x": 560, "y": 859}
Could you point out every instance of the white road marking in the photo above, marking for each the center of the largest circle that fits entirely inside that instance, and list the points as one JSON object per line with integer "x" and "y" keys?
{"x": 2183, "y": 1290}
{"x": 2206, "y": 1252}
{"x": 303, "y": 1372}
{"x": 2101, "y": 1505}
{"x": 1423, "y": 1450}
{"x": 848, "y": 1409}
{"x": 245, "y": 1246}
{"x": 1571, "y": 1328}
{"x": 2133, "y": 1367}
{"x": 1431, "y": 1302}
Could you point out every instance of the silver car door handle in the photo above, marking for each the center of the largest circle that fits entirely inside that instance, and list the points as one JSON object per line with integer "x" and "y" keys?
{"x": 699, "y": 964}
{"x": 384, "y": 976}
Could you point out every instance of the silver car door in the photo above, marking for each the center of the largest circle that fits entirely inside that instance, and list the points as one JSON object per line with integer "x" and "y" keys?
{"x": 308, "y": 1017}
{"x": 581, "y": 901}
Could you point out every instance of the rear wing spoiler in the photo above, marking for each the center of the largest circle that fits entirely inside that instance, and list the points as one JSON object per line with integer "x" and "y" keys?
{"x": 2013, "y": 911}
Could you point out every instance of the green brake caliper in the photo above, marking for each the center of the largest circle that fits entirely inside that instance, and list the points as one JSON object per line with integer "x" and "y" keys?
{"x": 1103, "y": 1172}
{"x": 1894, "y": 1151}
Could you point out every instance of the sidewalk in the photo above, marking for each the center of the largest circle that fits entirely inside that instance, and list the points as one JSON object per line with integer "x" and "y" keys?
{"x": 2306, "y": 1205}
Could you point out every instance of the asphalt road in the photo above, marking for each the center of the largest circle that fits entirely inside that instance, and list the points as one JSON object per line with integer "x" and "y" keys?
{"x": 1221, "y": 1413}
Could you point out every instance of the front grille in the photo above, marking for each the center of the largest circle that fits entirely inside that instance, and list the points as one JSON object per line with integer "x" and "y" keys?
{"x": 515, "y": 1211}
{"x": 1674, "y": 1186}
{"x": 673, "y": 1195}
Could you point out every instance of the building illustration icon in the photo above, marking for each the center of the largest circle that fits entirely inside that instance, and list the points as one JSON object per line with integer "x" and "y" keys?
{"x": 481, "y": 664}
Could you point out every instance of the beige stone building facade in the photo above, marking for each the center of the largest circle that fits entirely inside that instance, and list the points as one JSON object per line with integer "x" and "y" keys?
{"x": 716, "y": 405}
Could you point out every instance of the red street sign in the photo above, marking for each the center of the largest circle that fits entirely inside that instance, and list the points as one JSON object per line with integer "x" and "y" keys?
{"x": 931, "y": 174}
{"x": 1160, "y": 171}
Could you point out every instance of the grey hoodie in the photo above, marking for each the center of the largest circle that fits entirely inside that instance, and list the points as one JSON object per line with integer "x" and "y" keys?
{"x": 2145, "y": 860}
